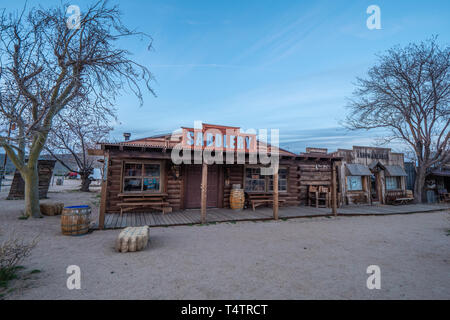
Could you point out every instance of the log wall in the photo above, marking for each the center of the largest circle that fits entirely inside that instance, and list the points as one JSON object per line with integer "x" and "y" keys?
{"x": 301, "y": 174}
{"x": 312, "y": 172}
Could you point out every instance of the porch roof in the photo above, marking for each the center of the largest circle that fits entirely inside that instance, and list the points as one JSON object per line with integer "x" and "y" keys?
{"x": 440, "y": 173}
{"x": 354, "y": 169}
{"x": 395, "y": 171}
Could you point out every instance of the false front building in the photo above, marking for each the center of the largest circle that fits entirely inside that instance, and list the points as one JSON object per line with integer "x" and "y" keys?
{"x": 370, "y": 175}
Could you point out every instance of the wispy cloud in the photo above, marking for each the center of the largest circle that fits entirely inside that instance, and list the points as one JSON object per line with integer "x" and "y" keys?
{"x": 197, "y": 65}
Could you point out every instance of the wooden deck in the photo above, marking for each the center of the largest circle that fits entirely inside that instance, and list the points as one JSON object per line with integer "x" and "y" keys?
{"x": 191, "y": 217}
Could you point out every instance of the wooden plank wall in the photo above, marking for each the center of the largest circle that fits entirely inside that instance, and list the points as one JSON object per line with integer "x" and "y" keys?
{"x": 45, "y": 172}
{"x": 235, "y": 175}
{"x": 301, "y": 174}
{"x": 312, "y": 172}
{"x": 291, "y": 196}
{"x": 174, "y": 188}
{"x": 113, "y": 185}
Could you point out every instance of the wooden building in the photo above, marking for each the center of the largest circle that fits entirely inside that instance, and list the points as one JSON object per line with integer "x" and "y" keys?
{"x": 437, "y": 184}
{"x": 45, "y": 172}
{"x": 142, "y": 175}
{"x": 370, "y": 175}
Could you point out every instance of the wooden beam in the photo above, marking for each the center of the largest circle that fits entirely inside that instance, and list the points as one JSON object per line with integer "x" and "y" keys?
{"x": 104, "y": 190}
{"x": 333, "y": 189}
{"x": 275, "y": 194}
{"x": 204, "y": 189}
{"x": 95, "y": 152}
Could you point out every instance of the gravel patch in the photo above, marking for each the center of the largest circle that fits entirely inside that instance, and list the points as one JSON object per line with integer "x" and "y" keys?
{"x": 307, "y": 258}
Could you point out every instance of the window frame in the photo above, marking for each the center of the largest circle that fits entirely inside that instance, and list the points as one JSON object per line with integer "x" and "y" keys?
{"x": 348, "y": 184}
{"x": 142, "y": 176}
{"x": 398, "y": 182}
{"x": 266, "y": 180}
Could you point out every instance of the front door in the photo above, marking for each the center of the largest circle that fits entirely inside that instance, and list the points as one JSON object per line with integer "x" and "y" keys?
{"x": 192, "y": 198}
{"x": 374, "y": 187}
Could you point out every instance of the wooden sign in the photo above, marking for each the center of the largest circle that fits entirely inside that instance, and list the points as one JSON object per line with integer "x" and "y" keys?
{"x": 218, "y": 138}
{"x": 316, "y": 150}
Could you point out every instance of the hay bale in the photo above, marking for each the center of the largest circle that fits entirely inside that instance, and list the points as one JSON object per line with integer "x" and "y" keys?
{"x": 51, "y": 208}
{"x": 132, "y": 239}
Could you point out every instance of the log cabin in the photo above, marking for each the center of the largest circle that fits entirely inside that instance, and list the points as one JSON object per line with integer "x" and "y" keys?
{"x": 169, "y": 172}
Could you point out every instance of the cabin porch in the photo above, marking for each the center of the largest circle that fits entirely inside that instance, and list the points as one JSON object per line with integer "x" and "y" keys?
{"x": 193, "y": 216}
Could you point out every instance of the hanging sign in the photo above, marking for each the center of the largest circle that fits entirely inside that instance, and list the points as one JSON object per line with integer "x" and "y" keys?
{"x": 218, "y": 138}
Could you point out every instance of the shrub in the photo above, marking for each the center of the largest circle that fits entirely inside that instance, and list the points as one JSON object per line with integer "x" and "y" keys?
{"x": 12, "y": 252}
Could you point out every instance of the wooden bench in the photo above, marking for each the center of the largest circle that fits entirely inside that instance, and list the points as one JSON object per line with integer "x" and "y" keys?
{"x": 133, "y": 201}
{"x": 399, "y": 197}
{"x": 258, "y": 199}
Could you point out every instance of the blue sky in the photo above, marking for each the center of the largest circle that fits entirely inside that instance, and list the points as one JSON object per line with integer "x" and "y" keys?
{"x": 263, "y": 64}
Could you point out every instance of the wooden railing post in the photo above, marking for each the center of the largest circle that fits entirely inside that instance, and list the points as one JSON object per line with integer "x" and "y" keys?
{"x": 104, "y": 190}
{"x": 275, "y": 194}
{"x": 333, "y": 188}
{"x": 204, "y": 189}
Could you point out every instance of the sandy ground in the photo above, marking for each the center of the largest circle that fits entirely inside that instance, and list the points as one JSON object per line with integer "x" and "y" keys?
{"x": 309, "y": 258}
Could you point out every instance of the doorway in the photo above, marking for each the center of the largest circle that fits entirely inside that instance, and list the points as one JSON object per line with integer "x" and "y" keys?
{"x": 374, "y": 188}
{"x": 193, "y": 179}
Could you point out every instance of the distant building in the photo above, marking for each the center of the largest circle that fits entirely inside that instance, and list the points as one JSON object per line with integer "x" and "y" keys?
{"x": 410, "y": 169}
{"x": 58, "y": 170}
{"x": 437, "y": 182}
{"x": 370, "y": 175}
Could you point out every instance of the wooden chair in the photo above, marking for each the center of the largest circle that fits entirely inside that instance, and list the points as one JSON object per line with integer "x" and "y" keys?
{"x": 320, "y": 196}
{"x": 313, "y": 194}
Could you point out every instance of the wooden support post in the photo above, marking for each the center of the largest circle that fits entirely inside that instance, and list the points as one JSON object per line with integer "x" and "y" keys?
{"x": 204, "y": 189}
{"x": 104, "y": 190}
{"x": 333, "y": 188}
{"x": 275, "y": 194}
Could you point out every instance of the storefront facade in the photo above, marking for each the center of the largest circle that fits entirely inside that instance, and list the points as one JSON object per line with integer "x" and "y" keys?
{"x": 146, "y": 168}
{"x": 370, "y": 175}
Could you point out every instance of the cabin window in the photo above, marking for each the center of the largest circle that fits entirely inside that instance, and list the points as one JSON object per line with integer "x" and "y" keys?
{"x": 256, "y": 182}
{"x": 282, "y": 180}
{"x": 392, "y": 183}
{"x": 354, "y": 183}
{"x": 142, "y": 177}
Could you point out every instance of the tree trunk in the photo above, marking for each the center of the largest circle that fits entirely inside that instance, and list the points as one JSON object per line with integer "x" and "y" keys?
{"x": 419, "y": 185}
{"x": 85, "y": 182}
{"x": 31, "y": 179}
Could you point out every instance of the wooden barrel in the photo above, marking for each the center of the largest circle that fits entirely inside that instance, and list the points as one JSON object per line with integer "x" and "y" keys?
{"x": 237, "y": 199}
{"x": 75, "y": 220}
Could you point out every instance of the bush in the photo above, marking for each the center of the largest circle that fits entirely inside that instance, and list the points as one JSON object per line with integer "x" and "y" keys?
{"x": 12, "y": 252}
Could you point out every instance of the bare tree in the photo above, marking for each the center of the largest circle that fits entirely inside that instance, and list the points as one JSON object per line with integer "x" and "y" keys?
{"x": 408, "y": 93}
{"x": 47, "y": 63}
{"x": 74, "y": 132}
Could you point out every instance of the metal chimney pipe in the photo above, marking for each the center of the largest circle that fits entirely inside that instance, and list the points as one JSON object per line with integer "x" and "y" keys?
{"x": 127, "y": 136}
